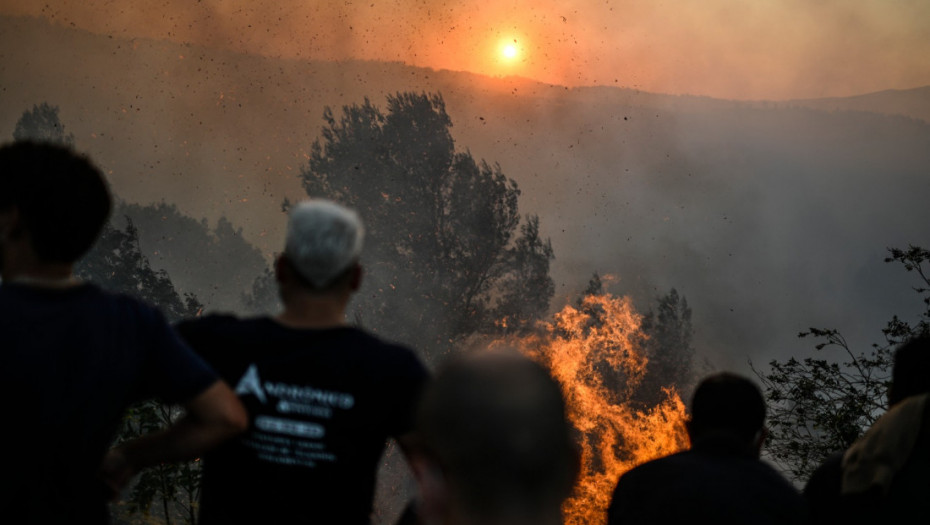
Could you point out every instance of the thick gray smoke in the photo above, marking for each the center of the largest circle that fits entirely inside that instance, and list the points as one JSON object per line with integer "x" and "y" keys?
{"x": 767, "y": 217}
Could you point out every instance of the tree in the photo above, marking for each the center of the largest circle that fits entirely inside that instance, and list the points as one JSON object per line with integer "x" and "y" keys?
{"x": 665, "y": 341}
{"x": 668, "y": 348}
{"x": 197, "y": 256}
{"x": 43, "y": 125}
{"x": 596, "y": 349}
{"x": 263, "y": 297}
{"x": 117, "y": 263}
{"x": 445, "y": 248}
{"x": 818, "y": 406}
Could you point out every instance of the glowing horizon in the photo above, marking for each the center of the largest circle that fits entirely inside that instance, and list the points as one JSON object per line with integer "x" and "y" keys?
{"x": 719, "y": 48}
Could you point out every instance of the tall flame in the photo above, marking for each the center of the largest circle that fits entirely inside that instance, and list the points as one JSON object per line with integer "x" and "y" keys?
{"x": 596, "y": 352}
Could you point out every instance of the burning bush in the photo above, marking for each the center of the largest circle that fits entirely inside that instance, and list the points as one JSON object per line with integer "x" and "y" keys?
{"x": 596, "y": 351}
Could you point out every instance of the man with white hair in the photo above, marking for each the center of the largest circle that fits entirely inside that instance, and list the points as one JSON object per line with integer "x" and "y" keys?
{"x": 323, "y": 397}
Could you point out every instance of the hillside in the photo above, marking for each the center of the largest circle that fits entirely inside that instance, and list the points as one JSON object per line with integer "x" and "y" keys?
{"x": 769, "y": 217}
{"x": 907, "y": 102}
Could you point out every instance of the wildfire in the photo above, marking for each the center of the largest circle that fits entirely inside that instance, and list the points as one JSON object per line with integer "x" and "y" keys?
{"x": 596, "y": 352}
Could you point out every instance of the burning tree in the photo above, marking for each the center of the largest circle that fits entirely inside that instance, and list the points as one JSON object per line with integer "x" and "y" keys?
{"x": 668, "y": 348}
{"x": 820, "y": 406}
{"x": 596, "y": 350}
{"x": 446, "y": 245}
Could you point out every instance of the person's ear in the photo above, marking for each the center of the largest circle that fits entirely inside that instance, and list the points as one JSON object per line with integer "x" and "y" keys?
{"x": 434, "y": 488}
{"x": 282, "y": 269}
{"x": 355, "y": 280}
{"x": 759, "y": 439}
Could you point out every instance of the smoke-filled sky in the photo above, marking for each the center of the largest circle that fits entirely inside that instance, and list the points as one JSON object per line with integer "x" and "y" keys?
{"x": 769, "y": 217}
{"x": 763, "y": 49}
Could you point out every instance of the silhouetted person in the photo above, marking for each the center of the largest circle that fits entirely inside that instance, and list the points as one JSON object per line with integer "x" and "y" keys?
{"x": 720, "y": 479}
{"x": 73, "y": 357}
{"x": 496, "y": 445}
{"x": 884, "y": 477}
{"x": 323, "y": 397}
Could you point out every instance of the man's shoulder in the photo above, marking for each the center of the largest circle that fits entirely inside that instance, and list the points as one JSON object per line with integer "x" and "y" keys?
{"x": 87, "y": 297}
{"x": 218, "y": 325}
{"x": 721, "y": 489}
{"x": 659, "y": 466}
{"x": 213, "y": 320}
{"x": 376, "y": 341}
{"x": 274, "y": 340}
{"x": 690, "y": 463}
{"x": 382, "y": 353}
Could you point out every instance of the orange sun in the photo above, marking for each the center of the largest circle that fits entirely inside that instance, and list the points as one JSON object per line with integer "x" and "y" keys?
{"x": 510, "y": 51}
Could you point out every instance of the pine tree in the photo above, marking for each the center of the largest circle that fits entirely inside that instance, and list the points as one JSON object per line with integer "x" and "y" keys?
{"x": 446, "y": 251}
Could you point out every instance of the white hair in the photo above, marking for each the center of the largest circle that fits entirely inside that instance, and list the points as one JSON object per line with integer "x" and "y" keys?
{"x": 323, "y": 240}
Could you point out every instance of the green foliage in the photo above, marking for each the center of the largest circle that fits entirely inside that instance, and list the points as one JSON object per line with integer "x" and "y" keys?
{"x": 169, "y": 490}
{"x": 818, "y": 406}
{"x": 914, "y": 259}
{"x": 42, "y": 124}
{"x": 445, "y": 248}
{"x": 117, "y": 263}
{"x": 199, "y": 258}
{"x": 263, "y": 298}
{"x": 665, "y": 341}
{"x": 668, "y": 348}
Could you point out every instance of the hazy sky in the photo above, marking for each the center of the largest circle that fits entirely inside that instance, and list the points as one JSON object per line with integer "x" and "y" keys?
{"x": 772, "y": 49}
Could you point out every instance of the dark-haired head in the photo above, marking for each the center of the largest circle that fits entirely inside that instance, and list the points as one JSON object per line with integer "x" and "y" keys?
{"x": 911, "y": 372}
{"x": 60, "y": 199}
{"x": 726, "y": 404}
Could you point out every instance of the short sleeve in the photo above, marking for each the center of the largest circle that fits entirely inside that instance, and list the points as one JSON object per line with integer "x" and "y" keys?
{"x": 173, "y": 372}
{"x": 626, "y": 503}
{"x": 411, "y": 380}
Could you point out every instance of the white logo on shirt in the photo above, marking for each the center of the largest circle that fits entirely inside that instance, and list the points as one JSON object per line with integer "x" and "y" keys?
{"x": 251, "y": 384}
{"x": 292, "y": 395}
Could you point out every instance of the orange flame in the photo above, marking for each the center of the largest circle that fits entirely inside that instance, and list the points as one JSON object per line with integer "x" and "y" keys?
{"x": 596, "y": 352}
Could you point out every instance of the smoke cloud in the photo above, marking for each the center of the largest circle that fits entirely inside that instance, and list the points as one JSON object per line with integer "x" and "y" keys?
{"x": 722, "y": 48}
{"x": 769, "y": 217}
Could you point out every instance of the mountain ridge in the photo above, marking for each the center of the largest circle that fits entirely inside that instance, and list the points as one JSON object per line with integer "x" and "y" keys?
{"x": 768, "y": 216}
{"x": 920, "y": 96}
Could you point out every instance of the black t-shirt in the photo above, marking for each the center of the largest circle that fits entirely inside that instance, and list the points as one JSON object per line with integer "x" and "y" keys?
{"x": 71, "y": 361}
{"x": 322, "y": 404}
{"x": 708, "y": 484}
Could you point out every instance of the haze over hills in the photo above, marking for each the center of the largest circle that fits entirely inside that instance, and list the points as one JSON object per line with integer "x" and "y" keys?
{"x": 909, "y": 102}
{"x": 768, "y": 216}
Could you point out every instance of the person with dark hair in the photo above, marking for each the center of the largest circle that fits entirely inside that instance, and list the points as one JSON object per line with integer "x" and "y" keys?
{"x": 910, "y": 374}
{"x": 885, "y": 475}
{"x": 495, "y": 444}
{"x": 74, "y": 357}
{"x": 323, "y": 397}
{"x": 720, "y": 479}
